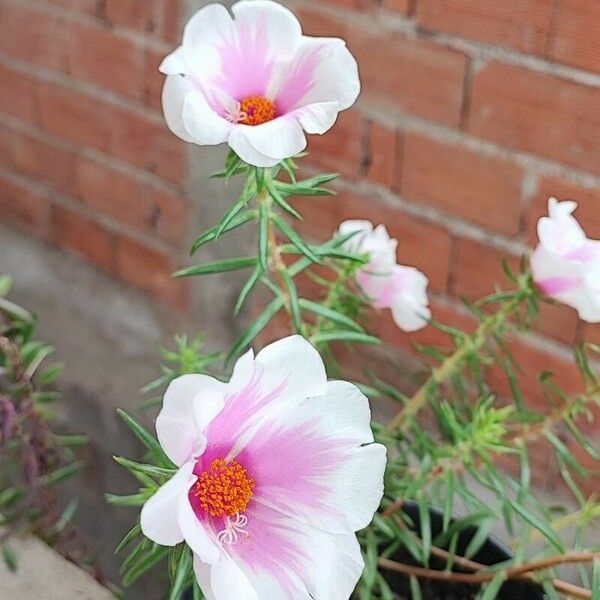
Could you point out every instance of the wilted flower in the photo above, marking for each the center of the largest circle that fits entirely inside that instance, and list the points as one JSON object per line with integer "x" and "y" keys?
{"x": 255, "y": 81}
{"x": 278, "y": 470}
{"x": 388, "y": 284}
{"x": 566, "y": 264}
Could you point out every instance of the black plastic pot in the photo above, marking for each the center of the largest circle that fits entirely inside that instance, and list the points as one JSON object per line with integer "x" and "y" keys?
{"x": 491, "y": 553}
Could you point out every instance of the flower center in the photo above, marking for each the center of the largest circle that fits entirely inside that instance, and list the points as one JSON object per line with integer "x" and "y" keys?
{"x": 255, "y": 110}
{"x": 225, "y": 489}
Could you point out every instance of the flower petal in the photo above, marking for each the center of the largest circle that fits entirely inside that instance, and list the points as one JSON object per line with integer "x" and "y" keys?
{"x": 286, "y": 371}
{"x": 174, "y": 92}
{"x": 202, "y": 572}
{"x": 159, "y": 517}
{"x": 228, "y": 581}
{"x": 195, "y": 534}
{"x": 191, "y": 402}
{"x": 324, "y": 70}
{"x": 288, "y": 560}
{"x": 317, "y": 118}
{"x": 278, "y": 139}
{"x": 240, "y": 144}
{"x": 279, "y": 26}
{"x": 294, "y": 363}
{"x": 174, "y": 63}
{"x": 204, "y": 125}
{"x": 337, "y": 483}
{"x": 203, "y": 34}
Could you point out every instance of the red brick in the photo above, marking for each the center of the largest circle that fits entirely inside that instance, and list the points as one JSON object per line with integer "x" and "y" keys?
{"x": 532, "y": 361}
{"x": 44, "y": 162}
{"x": 478, "y": 269}
{"x": 523, "y": 24}
{"x": 24, "y": 207}
{"x": 148, "y": 144}
{"x": 75, "y": 116}
{"x": 83, "y": 236}
{"x": 7, "y": 146}
{"x": 587, "y": 213}
{"x": 537, "y": 113}
{"x": 171, "y": 19}
{"x": 442, "y": 312}
{"x": 101, "y": 57}
{"x": 383, "y": 149}
{"x": 150, "y": 270}
{"x": 402, "y": 6}
{"x": 18, "y": 95}
{"x": 589, "y": 485}
{"x": 89, "y": 7}
{"x": 341, "y": 149}
{"x": 355, "y": 4}
{"x": 420, "y": 244}
{"x": 414, "y": 76}
{"x": 557, "y": 321}
{"x": 114, "y": 194}
{"x": 153, "y": 79}
{"x": 32, "y": 35}
{"x": 482, "y": 189}
{"x": 169, "y": 217}
{"x": 590, "y": 332}
{"x": 575, "y": 34}
{"x": 131, "y": 13}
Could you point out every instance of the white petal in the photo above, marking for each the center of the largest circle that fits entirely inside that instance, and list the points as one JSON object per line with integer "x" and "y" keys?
{"x": 190, "y": 403}
{"x": 195, "y": 534}
{"x": 202, "y": 572}
{"x": 204, "y": 32}
{"x": 294, "y": 362}
{"x": 317, "y": 118}
{"x": 174, "y": 63}
{"x": 278, "y": 139}
{"x": 339, "y": 554}
{"x": 336, "y": 483}
{"x": 242, "y": 372}
{"x": 323, "y": 70}
{"x": 159, "y": 517}
{"x": 278, "y": 24}
{"x": 204, "y": 125}
{"x": 409, "y": 313}
{"x": 228, "y": 581}
{"x": 175, "y": 90}
{"x": 247, "y": 152}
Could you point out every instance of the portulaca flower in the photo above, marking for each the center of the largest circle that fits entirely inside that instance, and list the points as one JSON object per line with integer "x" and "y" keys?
{"x": 255, "y": 81}
{"x": 386, "y": 283}
{"x": 566, "y": 264}
{"x": 277, "y": 471}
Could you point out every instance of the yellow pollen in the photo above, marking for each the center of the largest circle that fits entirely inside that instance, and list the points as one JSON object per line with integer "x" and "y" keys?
{"x": 257, "y": 110}
{"x": 225, "y": 489}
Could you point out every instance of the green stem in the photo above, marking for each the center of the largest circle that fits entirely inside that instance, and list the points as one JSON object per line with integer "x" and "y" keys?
{"x": 453, "y": 362}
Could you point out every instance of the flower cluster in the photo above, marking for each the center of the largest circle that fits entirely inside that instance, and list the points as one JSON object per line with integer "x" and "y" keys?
{"x": 566, "y": 264}
{"x": 387, "y": 284}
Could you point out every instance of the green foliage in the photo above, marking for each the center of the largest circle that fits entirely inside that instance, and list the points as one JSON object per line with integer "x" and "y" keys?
{"x": 449, "y": 440}
{"x": 34, "y": 460}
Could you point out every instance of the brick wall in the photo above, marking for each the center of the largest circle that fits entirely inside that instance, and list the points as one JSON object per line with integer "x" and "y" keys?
{"x": 473, "y": 113}
{"x": 85, "y": 159}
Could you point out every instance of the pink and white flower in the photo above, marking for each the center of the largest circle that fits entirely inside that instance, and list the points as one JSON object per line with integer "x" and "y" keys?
{"x": 387, "y": 284}
{"x": 566, "y": 264}
{"x": 255, "y": 81}
{"x": 277, "y": 471}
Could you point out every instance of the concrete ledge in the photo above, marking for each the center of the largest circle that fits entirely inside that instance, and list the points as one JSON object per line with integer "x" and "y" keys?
{"x": 43, "y": 573}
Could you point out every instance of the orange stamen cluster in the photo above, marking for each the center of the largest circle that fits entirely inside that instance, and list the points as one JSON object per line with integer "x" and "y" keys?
{"x": 257, "y": 110}
{"x": 225, "y": 489}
